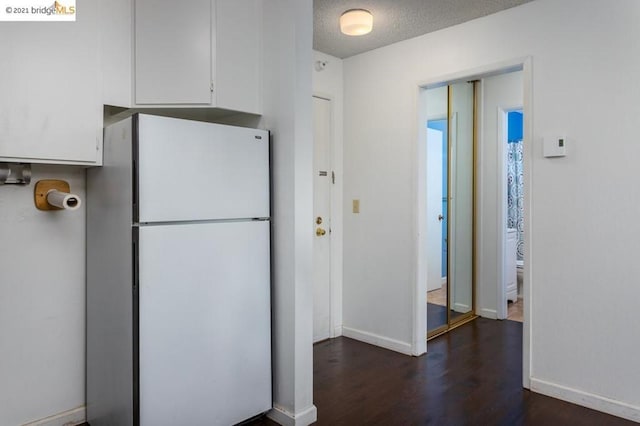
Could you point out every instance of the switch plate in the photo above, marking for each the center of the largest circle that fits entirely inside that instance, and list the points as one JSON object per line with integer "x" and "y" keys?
{"x": 555, "y": 147}
{"x": 356, "y": 206}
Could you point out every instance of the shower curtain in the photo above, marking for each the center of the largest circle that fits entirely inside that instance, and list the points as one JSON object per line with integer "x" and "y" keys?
{"x": 515, "y": 194}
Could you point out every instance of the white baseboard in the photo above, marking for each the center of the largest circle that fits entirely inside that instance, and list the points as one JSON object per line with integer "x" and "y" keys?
{"x": 462, "y": 308}
{"x": 585, "y": 399}
{"x": 283, "y": 417}
{"x": 489, "y": 313}
{"x": 377, "y": 340}
{"x": 337, "y": 331}
{"x": 68, "y": 418}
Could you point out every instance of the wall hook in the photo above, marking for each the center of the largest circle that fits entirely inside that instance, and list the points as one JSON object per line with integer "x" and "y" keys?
{"x": 15, "y": 174}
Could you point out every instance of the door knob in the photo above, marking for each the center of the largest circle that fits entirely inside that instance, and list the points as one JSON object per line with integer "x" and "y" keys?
{"x": 440, "y": 217}
{"x": 318, "y": 220}
{"x": 320, "y": 232}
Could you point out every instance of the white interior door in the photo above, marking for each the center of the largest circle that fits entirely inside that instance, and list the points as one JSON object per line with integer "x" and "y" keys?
{"x": 434, "y": 209}
{"x": 322, "y": 180}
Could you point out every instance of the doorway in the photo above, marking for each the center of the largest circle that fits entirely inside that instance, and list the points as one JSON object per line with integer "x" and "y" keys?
{"x": 322, "y": 180}
{"x": 514, "y": 246}
{"x": 502, "y": 214}
{"x": 450, "y": 205}
{"x": 488, "y": 253}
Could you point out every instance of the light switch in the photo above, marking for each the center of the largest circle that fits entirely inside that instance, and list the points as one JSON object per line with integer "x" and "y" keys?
{"x": 356, "y": 206}
{"x": 555, "y": 147}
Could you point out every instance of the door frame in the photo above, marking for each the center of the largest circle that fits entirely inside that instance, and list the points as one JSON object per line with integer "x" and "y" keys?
{"x": 524, "y": 64}
{"x": 335, "y": 235}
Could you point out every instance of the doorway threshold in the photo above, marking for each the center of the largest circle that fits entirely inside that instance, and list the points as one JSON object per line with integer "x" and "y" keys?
{"x": 452, "y": 327}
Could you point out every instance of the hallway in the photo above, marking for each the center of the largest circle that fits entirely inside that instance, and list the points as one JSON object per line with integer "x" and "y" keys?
{"x": 470, "y": 376}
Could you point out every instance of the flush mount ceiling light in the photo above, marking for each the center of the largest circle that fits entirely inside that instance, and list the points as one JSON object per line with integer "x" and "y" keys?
{"x": 356, "y": 22}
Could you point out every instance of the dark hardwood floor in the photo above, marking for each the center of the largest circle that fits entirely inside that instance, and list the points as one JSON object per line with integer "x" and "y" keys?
{"x": 437, "y": 315}
{"x": 471, "y": 376}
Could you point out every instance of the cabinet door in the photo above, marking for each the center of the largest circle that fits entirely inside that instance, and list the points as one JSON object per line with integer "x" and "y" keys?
{"x": 50, "y": 105}
{"x": 238, "y": 55}
{"x": 173, "y": 52}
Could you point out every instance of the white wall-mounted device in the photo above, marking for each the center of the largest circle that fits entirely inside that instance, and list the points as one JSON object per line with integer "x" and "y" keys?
{"x": 554, "y": 147}
{"x": 321, "y": 65}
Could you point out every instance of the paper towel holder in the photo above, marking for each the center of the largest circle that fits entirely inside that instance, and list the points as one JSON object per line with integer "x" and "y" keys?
{"x": 42, "y": 189}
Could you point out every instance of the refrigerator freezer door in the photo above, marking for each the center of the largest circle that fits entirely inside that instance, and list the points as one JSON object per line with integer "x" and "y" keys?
{"x": 204, "y": 323}
{"x": 190, "y": 170}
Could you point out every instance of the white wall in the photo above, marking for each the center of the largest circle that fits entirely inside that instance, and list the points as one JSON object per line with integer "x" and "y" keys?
{"x": 498, "y": 92}
{"x": 287, "y": 114}
{"x": 42, "y": 303}
{"x": 582, "y": 56}
{"x": 328, "y": 84}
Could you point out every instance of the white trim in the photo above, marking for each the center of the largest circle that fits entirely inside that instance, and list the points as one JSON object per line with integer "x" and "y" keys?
{"x": 484, "y": 71}
{"x": 586, "y": 399}
{"x": 461, "y": 307}
{"x": 489, "y": 313}
{"x": 527, "y": 279}
{"x": 71, "y": 417}
{"x": 377, "y": 340}
{"x": 285, "y": 418}
{"x": 501, "y": 225}
{"x": 419, "y": 212}
{"x": 337, "y": 331}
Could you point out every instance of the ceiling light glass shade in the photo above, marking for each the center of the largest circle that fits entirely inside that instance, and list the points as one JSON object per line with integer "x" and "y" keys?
{"x": 356, "y": 22}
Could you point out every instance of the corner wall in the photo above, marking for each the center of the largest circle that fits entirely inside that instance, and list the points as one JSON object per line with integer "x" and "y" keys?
{"x": 42, "y": 303}
{"x": 581, "y": 57}
{"x": 287, "y": 114}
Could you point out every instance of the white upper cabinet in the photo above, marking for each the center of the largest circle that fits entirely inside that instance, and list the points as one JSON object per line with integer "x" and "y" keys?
{"x": 173, "y": 52}
{"x": 50, "y": 98}
{"x": 198, "y": 53}
{"x": 238, "y": 70}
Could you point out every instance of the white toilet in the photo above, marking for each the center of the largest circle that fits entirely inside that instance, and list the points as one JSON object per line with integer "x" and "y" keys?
{"x": 511, "y": 280}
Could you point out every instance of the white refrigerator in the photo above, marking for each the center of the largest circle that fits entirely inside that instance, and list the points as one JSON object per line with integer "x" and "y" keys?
{"x": 178, "y": 275}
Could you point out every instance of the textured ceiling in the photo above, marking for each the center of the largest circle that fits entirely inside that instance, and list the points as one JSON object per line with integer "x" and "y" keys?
{"x": 394, "y": 20}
